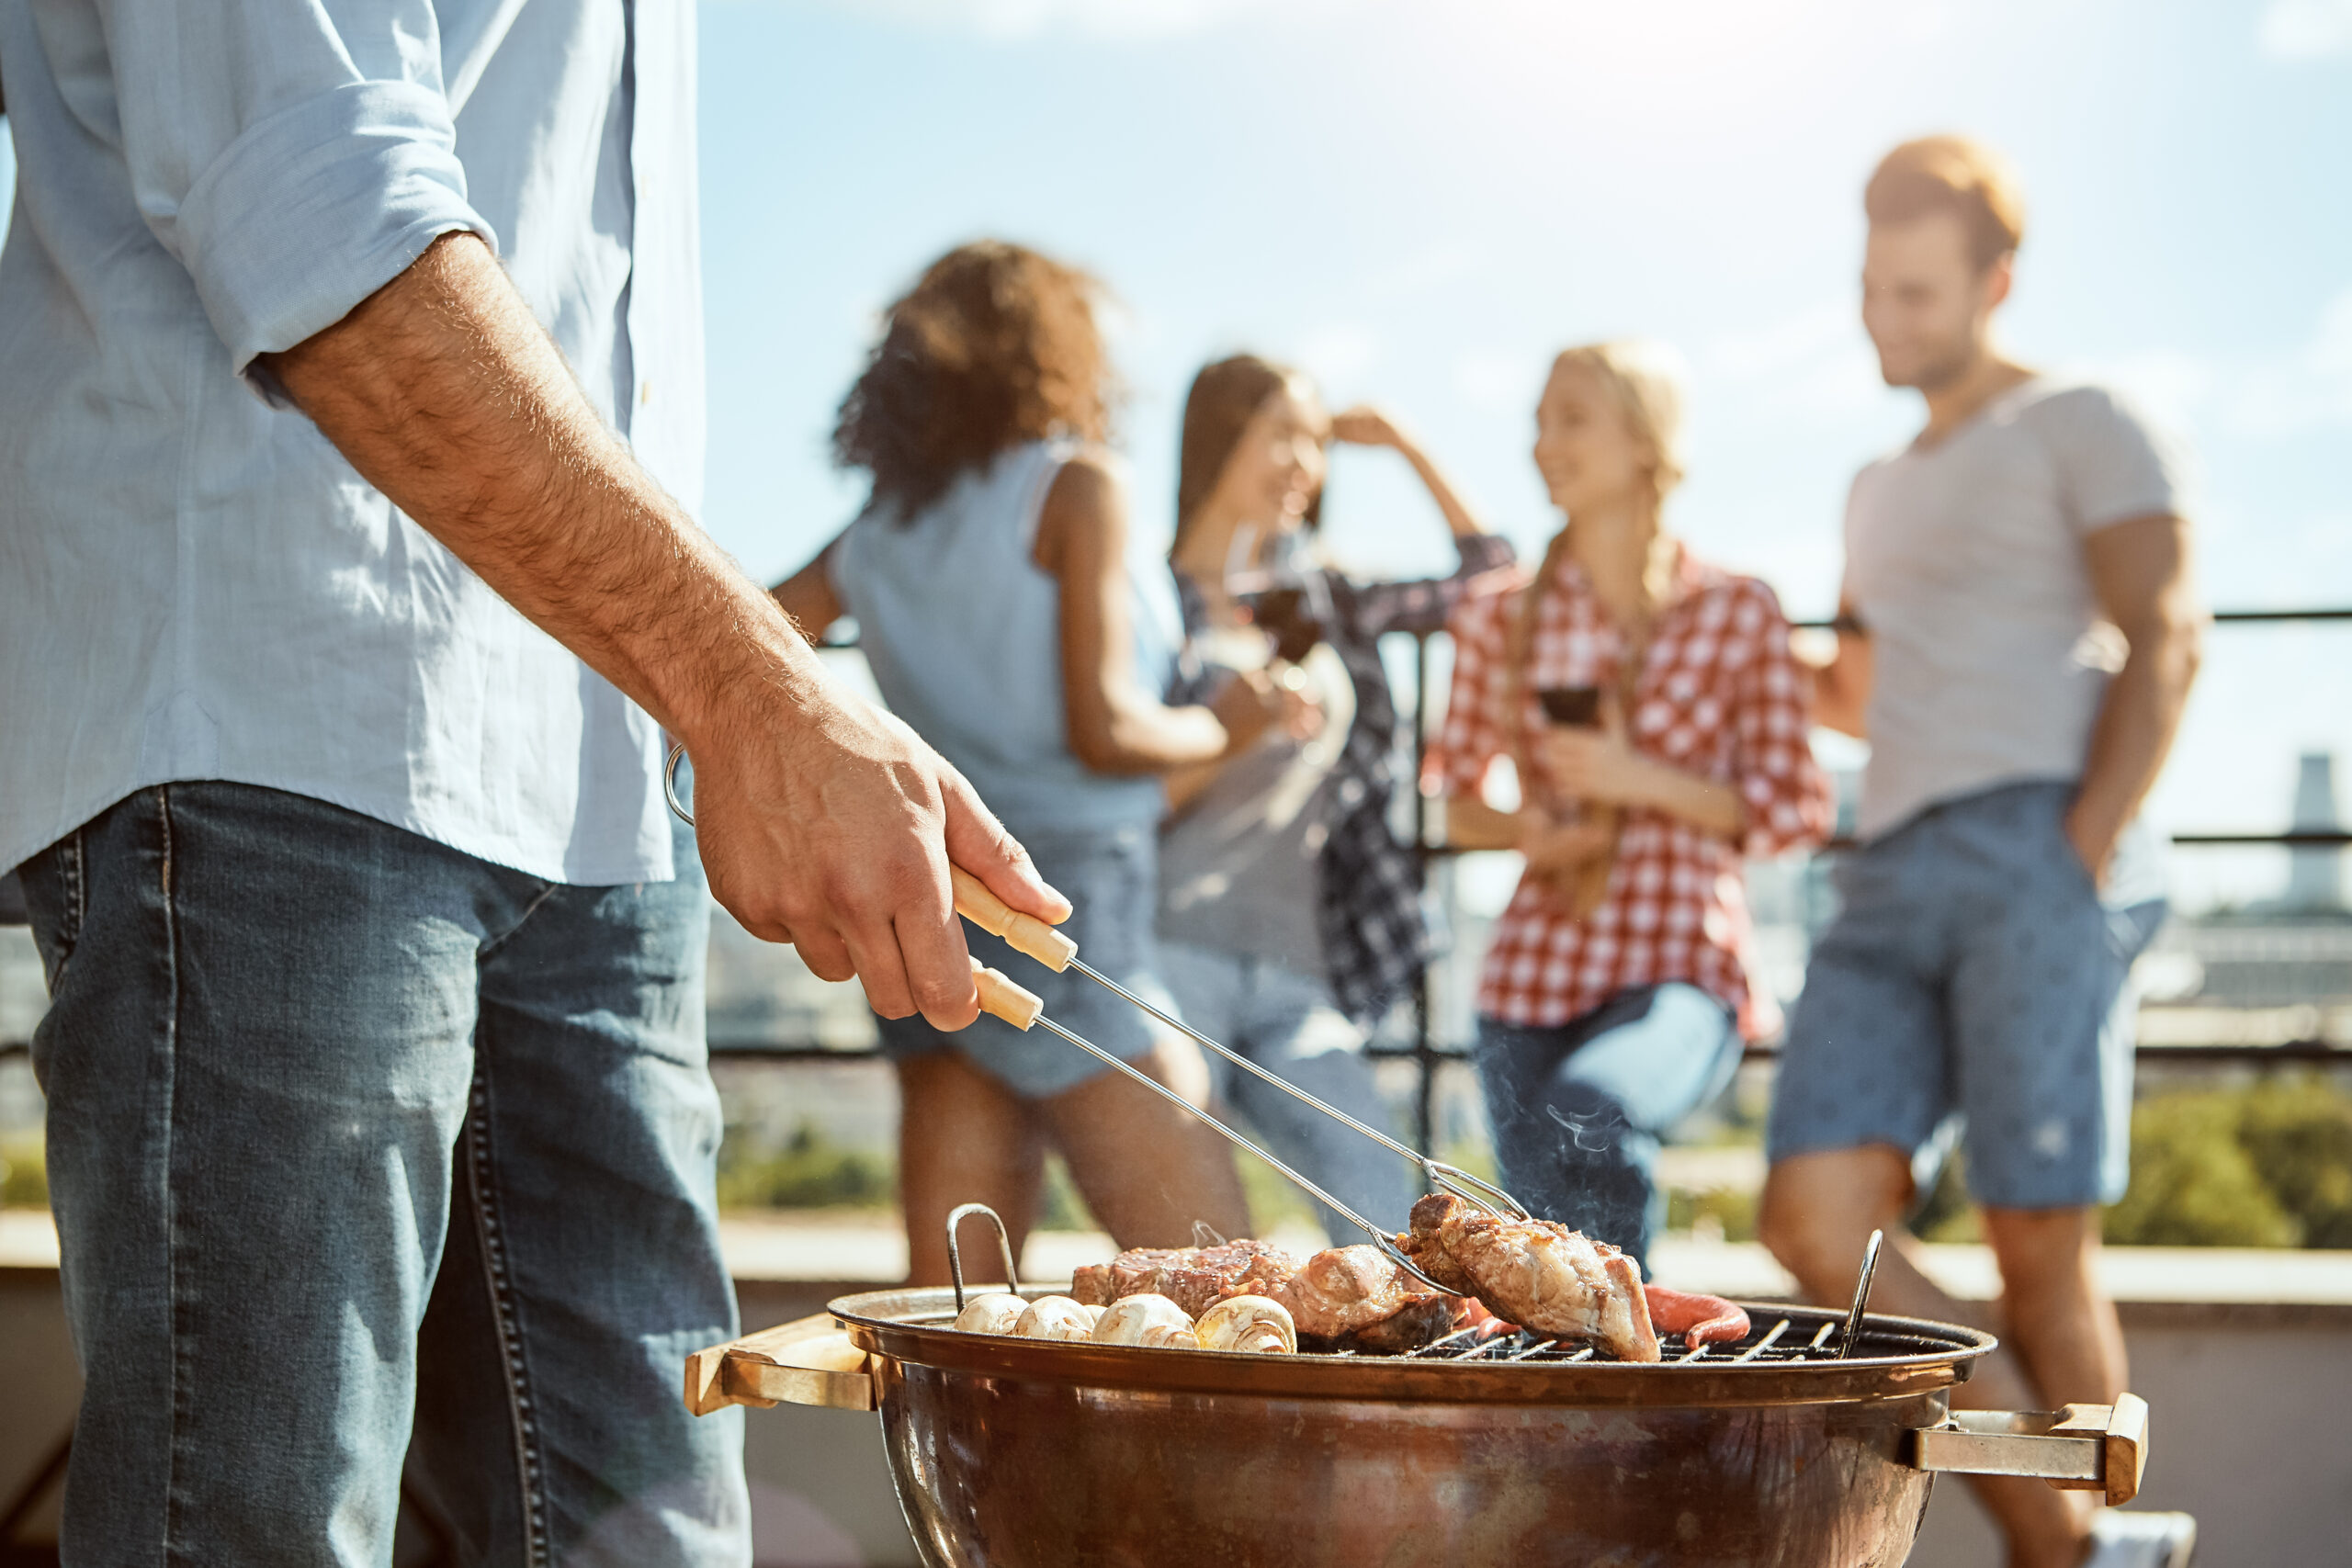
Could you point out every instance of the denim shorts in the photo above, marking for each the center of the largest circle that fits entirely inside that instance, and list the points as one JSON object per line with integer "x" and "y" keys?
{"x": 1973, "y": 979}
{"x": 1111, "y": 880}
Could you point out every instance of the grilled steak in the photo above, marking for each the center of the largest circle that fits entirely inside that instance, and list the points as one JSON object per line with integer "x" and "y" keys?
{"x": 1194, "y": 1277}
{"x": 1535, "y": 1273}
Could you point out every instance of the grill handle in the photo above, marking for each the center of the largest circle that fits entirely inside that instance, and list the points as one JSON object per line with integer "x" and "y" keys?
{"x": 806, "y": 1361}
{"x": 2083, "y": 1447}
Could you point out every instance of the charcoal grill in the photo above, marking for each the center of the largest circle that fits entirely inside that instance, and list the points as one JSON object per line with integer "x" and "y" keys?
{"x": 1770, "y": 1451}
{"x": 1810, "y": 1442}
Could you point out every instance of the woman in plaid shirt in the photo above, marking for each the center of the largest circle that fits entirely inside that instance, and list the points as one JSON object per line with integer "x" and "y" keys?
{"x": 1615, "y": 993}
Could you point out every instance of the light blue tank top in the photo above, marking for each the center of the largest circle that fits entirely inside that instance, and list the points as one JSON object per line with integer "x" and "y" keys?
{"x": 964, "y": 634}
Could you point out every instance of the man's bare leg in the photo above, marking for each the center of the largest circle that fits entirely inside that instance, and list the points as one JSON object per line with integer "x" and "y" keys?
{"x": 963, "y": 1138}
{"x": 1817, "y": 1214}
{"x": 2054, "y": 1312}
{"x": 1147, "y": 1168}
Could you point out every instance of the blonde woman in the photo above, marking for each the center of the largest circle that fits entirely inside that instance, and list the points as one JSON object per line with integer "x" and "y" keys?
{"x": 1653, "y": 714}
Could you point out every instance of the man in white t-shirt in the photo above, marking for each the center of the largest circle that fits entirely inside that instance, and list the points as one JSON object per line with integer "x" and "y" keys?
{"x": 2016, "y": 638}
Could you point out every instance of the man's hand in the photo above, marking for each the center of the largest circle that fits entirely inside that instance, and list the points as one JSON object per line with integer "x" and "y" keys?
{"x": 822, "y": 821}
{"x": 862, "y": 807}
{"x": 2094, "y": 843}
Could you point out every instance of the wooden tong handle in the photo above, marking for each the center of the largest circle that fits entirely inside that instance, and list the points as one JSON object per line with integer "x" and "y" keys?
{"x": 1026, "y": 933}
{"x": 1002, "y": 999}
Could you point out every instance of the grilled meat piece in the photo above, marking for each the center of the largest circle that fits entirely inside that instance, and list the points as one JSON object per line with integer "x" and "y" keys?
{"x": 1355, "y": 1297}
{"x": 1344, "y": 1297}
{"x": 1535, "y": 1273}
{"x": 1194, "y": 1277}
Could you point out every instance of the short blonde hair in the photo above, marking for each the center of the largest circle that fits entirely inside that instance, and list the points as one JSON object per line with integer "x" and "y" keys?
{"x": 1645, "y": 380}
{"x": 1955, "y": 174}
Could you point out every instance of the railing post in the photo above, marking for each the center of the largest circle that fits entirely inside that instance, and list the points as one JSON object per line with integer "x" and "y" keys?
{"x": 1424, "y": 1047}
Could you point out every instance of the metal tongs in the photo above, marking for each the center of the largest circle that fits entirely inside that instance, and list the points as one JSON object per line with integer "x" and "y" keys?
{"x": 1002, "y": 999}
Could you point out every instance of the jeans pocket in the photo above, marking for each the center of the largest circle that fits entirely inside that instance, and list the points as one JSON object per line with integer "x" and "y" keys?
{"x": 57, "y": 899}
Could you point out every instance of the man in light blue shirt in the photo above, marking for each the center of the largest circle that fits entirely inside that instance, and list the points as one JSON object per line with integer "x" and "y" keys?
{"x": 349, "y": 441}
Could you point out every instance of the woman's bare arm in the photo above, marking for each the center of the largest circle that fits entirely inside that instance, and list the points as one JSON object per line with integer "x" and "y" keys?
{"x": 1115, "y": 726}
{"x": 1598, "y": 765}
{"x": 809, "y": 598}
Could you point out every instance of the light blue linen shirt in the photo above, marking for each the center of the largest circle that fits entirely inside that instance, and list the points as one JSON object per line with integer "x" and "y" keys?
{"x": 193, "y": 584}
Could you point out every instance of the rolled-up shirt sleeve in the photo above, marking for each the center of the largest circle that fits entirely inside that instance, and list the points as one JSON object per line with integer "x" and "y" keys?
{"x": 293, "y": 155}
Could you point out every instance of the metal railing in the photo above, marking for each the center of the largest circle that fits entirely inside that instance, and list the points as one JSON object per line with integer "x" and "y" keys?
{"x": 1428, "y": 1054}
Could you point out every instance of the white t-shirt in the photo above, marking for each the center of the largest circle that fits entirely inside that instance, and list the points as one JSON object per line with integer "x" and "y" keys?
{"x": 1965, "y": 561}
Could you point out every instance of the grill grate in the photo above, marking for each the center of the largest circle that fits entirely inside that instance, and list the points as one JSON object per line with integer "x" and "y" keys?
{"x": 1781, "y": 1342}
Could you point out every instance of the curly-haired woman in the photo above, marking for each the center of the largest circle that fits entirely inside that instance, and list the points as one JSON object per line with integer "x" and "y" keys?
{"x": 1290, "y": 915}
{"x": 989, "y": 577}
{"x": 1615, "y": 990}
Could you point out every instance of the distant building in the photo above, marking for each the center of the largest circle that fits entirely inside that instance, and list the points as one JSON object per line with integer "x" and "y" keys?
{"x": 2316, "y": 876}
{"x": 2277, "y": 969}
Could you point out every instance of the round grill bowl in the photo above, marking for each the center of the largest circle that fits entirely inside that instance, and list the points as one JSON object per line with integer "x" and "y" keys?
{"x": 1768, "y": 1453}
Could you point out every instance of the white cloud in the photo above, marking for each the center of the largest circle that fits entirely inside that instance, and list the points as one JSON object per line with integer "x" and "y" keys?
{"x": 2308, "y": 391}
{"x": 2306, "y": 30}
{"x": 1337, "y": 354}
{"x": 2172, "y": 386}
{"x": 2276, "y": 395}
{"x": 1500, "y": 380}
{"x": 1814, "y": 364}
{"x": 1801, "y": 339}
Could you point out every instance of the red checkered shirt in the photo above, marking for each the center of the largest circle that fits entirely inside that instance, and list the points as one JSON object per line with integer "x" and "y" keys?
{"x": 1718, "y": 695}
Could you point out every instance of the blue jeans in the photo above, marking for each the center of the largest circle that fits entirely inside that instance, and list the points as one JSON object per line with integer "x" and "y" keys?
{"x": 1577, "y": 1110}
{"x": 350, "y": 1136}
{"x": 1288, "y": 1024}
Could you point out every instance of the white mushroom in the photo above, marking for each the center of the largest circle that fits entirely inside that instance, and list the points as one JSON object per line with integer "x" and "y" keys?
{"x": 1247, "y": 1322}
{"x": 1054, "y": 1317}
{"x": 1145, "y": 1320}
{"x": 994, "y": 1314}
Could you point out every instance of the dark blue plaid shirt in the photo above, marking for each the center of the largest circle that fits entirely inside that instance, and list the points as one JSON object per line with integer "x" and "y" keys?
{"x": 1376, "y": 936}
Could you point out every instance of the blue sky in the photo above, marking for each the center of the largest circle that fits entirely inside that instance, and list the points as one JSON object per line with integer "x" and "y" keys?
{"x": 1421, "y": 202}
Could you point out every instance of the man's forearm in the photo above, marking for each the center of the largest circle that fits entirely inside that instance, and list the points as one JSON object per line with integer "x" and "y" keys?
{"x": 2134, "y": 732}
{"x": 447, "y": 396}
